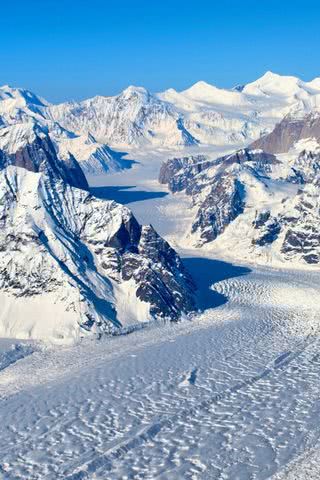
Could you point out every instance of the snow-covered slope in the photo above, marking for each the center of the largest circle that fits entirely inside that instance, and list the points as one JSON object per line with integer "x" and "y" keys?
{"x": 231, "y": 395}
{"x": 94, "y": 157}
{"x": 219, "y": 116}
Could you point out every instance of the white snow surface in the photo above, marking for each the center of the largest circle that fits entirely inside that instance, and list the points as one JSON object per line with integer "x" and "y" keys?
{"x": 231, "y": 395}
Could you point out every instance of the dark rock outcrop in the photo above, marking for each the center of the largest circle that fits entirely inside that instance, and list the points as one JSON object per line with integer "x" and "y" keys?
{"x": 35, "y": 152}
{"x": 160, "y": 275}
{"x": 224, "y": 198}
{"x": 287, "y": 219}
{"x": 178, "y": 173}
{"x": 257, "y": 160}
{"x": 221, "y": 206}
{"x": 306, "y": 168}
{"x": 288, "y": 132}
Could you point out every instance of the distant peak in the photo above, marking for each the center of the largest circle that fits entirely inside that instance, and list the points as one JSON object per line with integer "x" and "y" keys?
{"x": 133, "y": 89}
{"x": 274, "y": 84}
{"x": 204, "y": 92}
{"x": 201, "y": 85}
{"x": 238, "y": 88}
{"x": 270, "y": 74}
{"x": 7, "y": 91}
{"x": 170, "y": 91}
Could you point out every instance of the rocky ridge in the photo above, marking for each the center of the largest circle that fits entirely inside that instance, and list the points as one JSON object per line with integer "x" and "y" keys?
{"x": 256, "y": 205}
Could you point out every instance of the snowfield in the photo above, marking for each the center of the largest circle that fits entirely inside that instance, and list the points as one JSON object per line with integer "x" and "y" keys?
{"x": 232, "y": 394}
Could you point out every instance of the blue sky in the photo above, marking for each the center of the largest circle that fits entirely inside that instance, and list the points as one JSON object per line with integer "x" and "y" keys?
{"x": 75, "y": 49}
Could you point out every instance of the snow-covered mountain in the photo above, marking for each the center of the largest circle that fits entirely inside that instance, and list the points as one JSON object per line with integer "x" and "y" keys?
{"x": 93, "y": 156}
{"x": 257, "y": 205}
{"x": 85, "y": 263}
{"x": 29, "y": 146}
{"x": 291, "y": 129}
{"x": 18, "y": 106}
{"x": 202, "y": 114}
{"x": 69, "y": 262}
{"x": 219, "y": 116}
{"x": 232, "y": 394}
{"x": 135, "y": 117}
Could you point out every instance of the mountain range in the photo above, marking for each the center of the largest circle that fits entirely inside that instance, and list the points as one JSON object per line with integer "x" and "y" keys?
{"x": 202, "y": 114}
{"x": 72, "y": 264}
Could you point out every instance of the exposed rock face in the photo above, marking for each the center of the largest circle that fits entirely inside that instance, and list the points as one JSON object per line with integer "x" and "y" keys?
{"x": 223, "y": 203}
{"x": 302, "y": 237}
{"x": 306, "y": 167}
{"x": 178, "y": 173}
{"x": 162, "y": 279}
{"x": 289, "y": 131}
{"x": 269, "y": 229}
{"x": 214, "y": 186}
{"x": 28, "y": 146}
{"x": 260, "y": 162}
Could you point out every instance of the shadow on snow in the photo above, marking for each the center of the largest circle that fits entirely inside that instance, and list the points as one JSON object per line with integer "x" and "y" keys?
{"x": 205, "y": 273}
{"x": 124, "y": 194}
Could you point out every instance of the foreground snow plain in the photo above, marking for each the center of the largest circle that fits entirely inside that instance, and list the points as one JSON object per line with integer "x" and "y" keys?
{"x": 231, "y": 394}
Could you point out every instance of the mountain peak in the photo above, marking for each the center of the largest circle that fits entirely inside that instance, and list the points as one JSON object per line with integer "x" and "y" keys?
{"x": 20, "y": 94}
{"x": 269, "y": 75}
{"x": 204, "y": 92}
{"x": 200, "y": 87}
{"x": 6, "y": 87}
{"x": 202, "y": 84}
{"x": 274, "y": 84}
{"x": 132, "y": 90}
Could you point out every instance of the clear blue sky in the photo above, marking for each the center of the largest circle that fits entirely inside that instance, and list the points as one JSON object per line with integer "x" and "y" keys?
{"x": 74, "y": 49}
